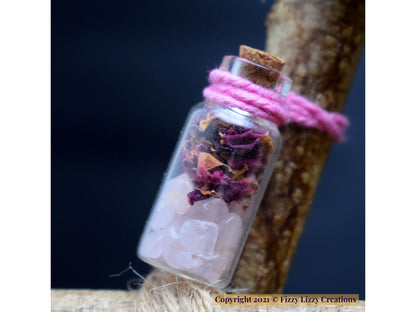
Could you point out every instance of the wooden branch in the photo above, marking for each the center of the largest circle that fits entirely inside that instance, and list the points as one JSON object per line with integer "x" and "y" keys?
{"x": 321, "y": 41}
{"x": 72, "y": 300}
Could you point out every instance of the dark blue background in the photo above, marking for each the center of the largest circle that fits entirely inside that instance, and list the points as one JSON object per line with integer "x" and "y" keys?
{"x": 124, "y": 75}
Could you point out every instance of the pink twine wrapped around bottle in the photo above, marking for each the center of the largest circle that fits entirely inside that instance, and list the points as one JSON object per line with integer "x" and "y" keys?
{"x": 268, "y": 104}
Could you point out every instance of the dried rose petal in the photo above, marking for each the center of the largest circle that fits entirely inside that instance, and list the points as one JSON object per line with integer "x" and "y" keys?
{"x": 224, "y": 160}
{"x": 195, "y": 196}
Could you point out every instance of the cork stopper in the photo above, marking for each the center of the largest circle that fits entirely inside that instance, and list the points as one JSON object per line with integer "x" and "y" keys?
{"x": 259, "y": 75}
{"x": 261, "y": 57}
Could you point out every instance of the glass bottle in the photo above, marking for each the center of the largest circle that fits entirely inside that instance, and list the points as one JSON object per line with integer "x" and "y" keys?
{"x": 214, "y": 184}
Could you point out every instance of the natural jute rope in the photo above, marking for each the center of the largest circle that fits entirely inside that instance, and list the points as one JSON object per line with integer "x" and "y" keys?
{"x": 162, "y": 291}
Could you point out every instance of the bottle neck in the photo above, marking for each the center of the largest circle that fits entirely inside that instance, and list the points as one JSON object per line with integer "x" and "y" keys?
{"x": 259, "y": 97}
{"x": 256, "y": 73}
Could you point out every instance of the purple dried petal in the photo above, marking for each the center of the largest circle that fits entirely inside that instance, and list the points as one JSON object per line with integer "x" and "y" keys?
{"x": 195, "y": 196}
{"x": 235, "y": 191}
{"x": 201, "y": 148}
{"x": 227, "y": 149}
{"x": 234, "y": 138}
{"x": 216, "y": 178}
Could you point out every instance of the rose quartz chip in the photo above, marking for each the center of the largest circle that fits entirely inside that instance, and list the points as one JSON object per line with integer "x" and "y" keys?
{"x": 152, "y": 245}
{"x": 175, "y": 193}
{"x": 230, "y": 230}
{"x": 180, "y": 260}
{"x": 243, "y": 209}
{"x": 214, "y": 269}
{"x": 199, "y": 237}
{"x": 212, "y": 210}
{"x": 174, "y": 253}
{"x": 162, "y": 216}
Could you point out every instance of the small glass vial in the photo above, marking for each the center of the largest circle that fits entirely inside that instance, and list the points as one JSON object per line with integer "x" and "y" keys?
{"x": 213, "y": 186}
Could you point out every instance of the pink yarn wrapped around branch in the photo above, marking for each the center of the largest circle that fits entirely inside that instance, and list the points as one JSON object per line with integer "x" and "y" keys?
{"x": 268, "y": 104}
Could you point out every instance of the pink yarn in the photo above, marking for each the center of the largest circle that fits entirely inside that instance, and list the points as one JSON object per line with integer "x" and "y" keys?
{"x": 239, "y": 92}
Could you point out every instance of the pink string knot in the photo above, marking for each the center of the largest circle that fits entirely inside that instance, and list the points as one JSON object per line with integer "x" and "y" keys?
{"x": 241, "y": 93}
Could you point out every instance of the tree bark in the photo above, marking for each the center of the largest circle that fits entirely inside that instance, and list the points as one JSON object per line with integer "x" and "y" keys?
{"x": 320, "y": 41}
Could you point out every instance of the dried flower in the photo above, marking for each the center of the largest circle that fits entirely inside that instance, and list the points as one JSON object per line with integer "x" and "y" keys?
{"x": 224, "y": 160}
